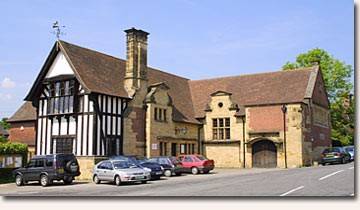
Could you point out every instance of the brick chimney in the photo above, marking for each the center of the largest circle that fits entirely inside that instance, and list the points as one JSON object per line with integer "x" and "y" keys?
{"x": 136, "y": 61}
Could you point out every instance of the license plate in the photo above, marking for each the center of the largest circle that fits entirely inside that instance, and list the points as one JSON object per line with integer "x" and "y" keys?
{"x": 158, "y": 173}
{"x": 60, "y": 170}
{"x": 139, "y": 177}
{"x": 329, "y": 155}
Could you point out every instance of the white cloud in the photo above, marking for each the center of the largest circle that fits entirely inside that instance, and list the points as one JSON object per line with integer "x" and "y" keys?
{"x": 7, "y": 83}
{"x": 5, "y": 97}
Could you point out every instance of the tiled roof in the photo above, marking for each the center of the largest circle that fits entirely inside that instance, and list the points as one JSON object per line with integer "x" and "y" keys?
{"x": 255, "y": 89}
{"x": 104, "y": 74}
{"x": 25, "y": 113}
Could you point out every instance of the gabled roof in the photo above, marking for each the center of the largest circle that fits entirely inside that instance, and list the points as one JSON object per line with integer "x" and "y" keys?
{"x": 101, "y": 73}
{"x": 255, "y": 89}
{"x": 25, "y": 113}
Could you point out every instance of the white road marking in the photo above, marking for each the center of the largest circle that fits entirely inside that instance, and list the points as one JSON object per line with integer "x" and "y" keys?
{"x": 329, "y": 175}
{"x": 293, "y": 190}
{"x": 351, "y": 168}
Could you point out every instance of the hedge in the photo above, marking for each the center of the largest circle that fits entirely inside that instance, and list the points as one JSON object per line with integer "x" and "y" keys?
{"x": 10, "y": 148}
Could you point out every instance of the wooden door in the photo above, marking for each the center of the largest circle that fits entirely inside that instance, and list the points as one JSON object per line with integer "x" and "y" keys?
{"x": 264, "y": 154}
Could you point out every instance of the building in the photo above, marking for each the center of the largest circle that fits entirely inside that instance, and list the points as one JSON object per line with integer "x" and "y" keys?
{"x": 22, "y": 126}
{"x": 95, "y": 105}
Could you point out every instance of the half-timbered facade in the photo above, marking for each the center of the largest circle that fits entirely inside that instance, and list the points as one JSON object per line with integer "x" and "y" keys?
{"x": 70, "y": 119}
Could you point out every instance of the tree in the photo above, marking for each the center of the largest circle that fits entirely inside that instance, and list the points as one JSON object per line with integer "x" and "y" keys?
{"x": 6, "y": 126}
{"x": 337, "y": 76}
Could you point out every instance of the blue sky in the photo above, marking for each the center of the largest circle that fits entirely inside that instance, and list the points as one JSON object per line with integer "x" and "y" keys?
{"x": 194, "y": 39}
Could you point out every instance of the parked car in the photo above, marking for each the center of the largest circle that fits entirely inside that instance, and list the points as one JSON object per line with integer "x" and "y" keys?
{"x": 170, "y": 165}
{"x": 334, "y": 155}
{"x": 119, "y": 171}
{"x": 156, "y": 170}
{"x": 196, "y": 164}
{"x": 351, "y": 151}
{"x": 47, "y": 168}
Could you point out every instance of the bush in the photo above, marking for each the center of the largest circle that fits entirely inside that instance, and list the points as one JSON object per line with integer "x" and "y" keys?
{"x": 10, "y": 148}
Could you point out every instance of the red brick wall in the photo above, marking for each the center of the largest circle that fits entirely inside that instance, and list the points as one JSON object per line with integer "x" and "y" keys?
{"x": 26, "y": 135}
{"x": 266, "y": 118}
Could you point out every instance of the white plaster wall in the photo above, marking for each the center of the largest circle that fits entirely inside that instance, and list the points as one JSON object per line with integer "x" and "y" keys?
{"x": 60, "y": 66}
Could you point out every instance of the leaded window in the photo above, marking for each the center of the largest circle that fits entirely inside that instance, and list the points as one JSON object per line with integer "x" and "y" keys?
{"x": 221, "y": 128}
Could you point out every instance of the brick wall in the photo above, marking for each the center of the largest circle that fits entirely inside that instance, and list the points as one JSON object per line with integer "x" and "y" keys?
{"x": 23, "y": 132}
{"x": 266, "y": 118}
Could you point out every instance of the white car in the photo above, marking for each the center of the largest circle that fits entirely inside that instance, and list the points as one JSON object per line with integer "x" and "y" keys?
{"x": 119, "y": 171}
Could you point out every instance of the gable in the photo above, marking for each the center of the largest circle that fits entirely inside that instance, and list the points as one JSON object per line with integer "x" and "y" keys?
{"x": 60, "y": 66}
{"x": 319, "y": 94}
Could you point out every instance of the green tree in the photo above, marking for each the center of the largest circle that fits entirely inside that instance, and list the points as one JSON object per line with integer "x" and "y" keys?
{"x": 337, "y": 77}
{"x": 6, "y": 126}
{"x": 4, "y": 123}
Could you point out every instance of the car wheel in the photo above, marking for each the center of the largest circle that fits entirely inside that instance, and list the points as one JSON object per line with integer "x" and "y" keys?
{"x": 68, "y": 180}
{"x": 96, "y": 179}
{"x": 19, "y": 181}
{"x": 117, "y": 180}
{"x": 44, "y": 180}
{"x": 143, "y": 182}
{"x": 194, "y": 170}
{"x": 167, "y": 173}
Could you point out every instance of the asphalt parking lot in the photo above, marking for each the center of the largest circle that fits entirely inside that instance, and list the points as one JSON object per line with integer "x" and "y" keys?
{"x": 331, "y": 180}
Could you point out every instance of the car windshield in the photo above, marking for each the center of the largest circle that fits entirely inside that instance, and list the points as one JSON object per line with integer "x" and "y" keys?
{"x": 349, "y": 149}
{"x": 123, "y": 165}
{"x": 200, "y": 157}
{"x": 334, "y": 149}
{"x": 174, "y": 160}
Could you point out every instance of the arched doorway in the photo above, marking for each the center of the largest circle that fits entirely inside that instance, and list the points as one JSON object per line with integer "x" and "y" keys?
{"x": 264, "y": 154}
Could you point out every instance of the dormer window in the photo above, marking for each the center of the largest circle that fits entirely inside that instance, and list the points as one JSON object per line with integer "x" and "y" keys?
{"x": 61, "y": 97}
{"x": 160, "y": 115}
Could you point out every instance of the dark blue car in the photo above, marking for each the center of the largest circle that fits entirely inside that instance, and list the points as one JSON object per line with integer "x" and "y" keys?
{"x": 156, "y": 170}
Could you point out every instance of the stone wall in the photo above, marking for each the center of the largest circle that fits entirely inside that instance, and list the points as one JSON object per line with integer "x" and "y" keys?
{"x": 225, "y": 152}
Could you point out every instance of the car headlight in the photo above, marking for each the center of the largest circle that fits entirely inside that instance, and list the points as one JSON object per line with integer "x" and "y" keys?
{"x": 147, "y": 169}
{"x": 162, "y": 168}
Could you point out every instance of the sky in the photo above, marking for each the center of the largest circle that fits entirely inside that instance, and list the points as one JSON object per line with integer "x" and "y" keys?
{"x": 193, "y": 39}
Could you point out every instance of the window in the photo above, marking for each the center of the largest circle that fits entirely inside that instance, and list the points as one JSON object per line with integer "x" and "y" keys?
{"x": 221, "y": 128}
{"x": 163, "y": 148}
{"x": 61, "y": 97}
{"x": 160, "y": 114}
{"x": 156, "y": 114}
{"x": 39, "y": 163}
{"x": 49, "y": 162}
{"x": 63, "y": 145}
{"x": 187, "y": 159}
{"x": 182, "y": 148}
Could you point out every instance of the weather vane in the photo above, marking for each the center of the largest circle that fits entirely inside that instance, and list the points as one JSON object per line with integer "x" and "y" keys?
{"x": 57, "y": 29}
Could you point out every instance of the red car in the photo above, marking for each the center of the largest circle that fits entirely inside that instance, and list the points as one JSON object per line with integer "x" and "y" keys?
{"x": 196, "y": 164}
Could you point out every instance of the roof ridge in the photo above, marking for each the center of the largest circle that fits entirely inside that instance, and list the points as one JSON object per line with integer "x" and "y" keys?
{"x": 89, "y": 49}
{"x": 260, "y": 73}
{"x": 123, "y": 60}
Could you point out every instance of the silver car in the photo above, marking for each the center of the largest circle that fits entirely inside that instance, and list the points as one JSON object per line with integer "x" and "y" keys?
{"x": 119, "y": 171}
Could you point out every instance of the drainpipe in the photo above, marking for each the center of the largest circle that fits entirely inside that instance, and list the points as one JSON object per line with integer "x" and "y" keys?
{"x": 243, "y": 121}
{"x": 199, "y": 140}
{"x": 284, "y": 110}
